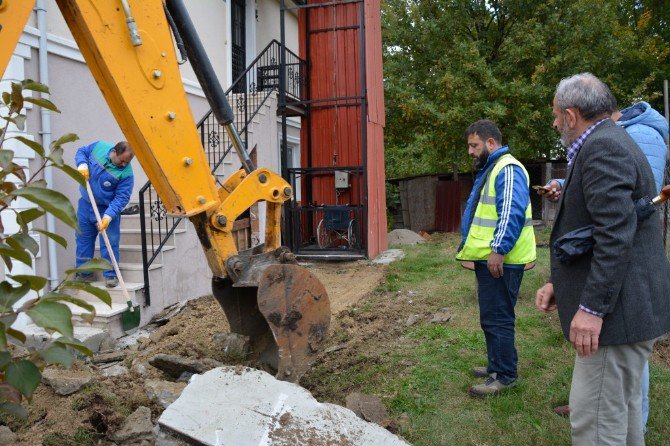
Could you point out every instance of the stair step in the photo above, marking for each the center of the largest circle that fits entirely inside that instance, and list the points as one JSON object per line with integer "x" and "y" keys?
{"x": 106, "y": 318}
{"x": 102, "y": 310}
{"x": 133, "y": 253}
{"x": 134, "y": 289}
{"x": 129, "y": 266}
{"x": 39, "y": 338}
{"x": 133, "y": 236}
{"x": 134, "y": 272}
{"x": 134, "y": 222}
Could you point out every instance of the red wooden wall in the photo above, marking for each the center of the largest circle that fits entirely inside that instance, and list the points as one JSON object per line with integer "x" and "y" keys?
{"x": 338, "y": 134}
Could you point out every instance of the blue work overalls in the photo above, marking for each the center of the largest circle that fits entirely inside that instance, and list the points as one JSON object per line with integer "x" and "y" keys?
{"x": 111, "y": 186}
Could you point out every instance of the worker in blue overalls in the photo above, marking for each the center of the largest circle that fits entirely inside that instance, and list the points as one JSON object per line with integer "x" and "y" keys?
{"x": 108, "y": 170}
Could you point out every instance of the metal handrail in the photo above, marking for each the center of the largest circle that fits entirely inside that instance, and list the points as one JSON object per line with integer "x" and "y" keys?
{"x": 265, "y": 67}
{"x": 273, "y": 43}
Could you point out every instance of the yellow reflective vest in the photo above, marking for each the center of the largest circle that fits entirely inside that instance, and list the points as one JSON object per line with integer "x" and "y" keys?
{"x": 478, "y": 242}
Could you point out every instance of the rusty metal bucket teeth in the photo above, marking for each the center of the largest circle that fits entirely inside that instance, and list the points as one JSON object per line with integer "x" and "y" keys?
{"x": 296, "y": 306}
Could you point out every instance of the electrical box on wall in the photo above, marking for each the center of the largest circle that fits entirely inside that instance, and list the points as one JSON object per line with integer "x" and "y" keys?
{"x": 341, "y": 179}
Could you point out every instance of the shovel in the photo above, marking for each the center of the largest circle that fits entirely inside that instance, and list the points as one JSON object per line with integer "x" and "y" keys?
{"x": 130, "y": 319}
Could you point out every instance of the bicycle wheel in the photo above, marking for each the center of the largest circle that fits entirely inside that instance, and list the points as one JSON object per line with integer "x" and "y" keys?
{"x": 323, "y": 237}
{"x": 352, "y": 234}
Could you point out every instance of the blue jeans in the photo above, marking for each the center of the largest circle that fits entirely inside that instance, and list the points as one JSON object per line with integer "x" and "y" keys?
{"x": 88, "y": 232}
{"x": 497, "y": 298}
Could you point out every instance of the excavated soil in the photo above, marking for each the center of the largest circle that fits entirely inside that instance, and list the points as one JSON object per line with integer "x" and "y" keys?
{"x": 87, "y": 416}
{"x": 358, "y": 340}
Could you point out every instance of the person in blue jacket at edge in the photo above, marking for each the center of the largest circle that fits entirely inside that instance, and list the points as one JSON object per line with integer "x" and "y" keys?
{"x": 107, "y": 168}
{"x": 498, "y": 236}
{"x": 649, "y": 129}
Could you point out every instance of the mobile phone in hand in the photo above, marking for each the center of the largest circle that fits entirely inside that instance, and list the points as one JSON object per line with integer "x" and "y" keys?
{"x": 542, "y": 189}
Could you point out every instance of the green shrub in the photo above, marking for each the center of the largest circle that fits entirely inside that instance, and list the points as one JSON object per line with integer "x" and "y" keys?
{"x": 20, "y": 374}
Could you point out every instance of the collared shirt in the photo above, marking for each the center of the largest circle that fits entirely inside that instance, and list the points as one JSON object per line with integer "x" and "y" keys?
{"x": 576, "y": 146}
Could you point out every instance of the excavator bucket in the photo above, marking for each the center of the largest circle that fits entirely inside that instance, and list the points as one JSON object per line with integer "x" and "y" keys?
{"x": 296, "y": 306}
{"x": 286, "y": 317}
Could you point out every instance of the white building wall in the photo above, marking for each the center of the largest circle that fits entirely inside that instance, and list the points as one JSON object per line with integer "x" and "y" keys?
{"x": 268, "y": 25}
{"x": 209, "y": 17}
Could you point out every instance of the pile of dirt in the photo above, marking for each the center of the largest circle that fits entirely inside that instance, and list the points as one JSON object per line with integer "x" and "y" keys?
{"x": 404, "y": 237}
{"x": 125, "y": 386}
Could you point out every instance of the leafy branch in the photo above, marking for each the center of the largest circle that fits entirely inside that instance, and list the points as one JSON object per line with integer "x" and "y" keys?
{"x": 20, "y": 373}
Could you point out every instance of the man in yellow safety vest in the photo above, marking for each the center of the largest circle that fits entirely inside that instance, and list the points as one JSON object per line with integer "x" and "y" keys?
{"x": 497, "y": 235}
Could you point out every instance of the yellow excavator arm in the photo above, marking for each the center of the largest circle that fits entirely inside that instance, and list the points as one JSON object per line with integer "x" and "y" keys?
{"x": 128, "y": 46}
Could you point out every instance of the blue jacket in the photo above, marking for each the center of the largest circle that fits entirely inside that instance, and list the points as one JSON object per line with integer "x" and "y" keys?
{"x": 111, "y": 185}
{"x": 512, "y": 198}
{"x": 648, "y": 128}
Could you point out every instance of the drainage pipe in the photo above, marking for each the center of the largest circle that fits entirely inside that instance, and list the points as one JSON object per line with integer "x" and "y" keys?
{"x": 45, "y": 132}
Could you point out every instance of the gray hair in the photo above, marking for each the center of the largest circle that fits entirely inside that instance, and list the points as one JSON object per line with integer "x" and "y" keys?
{"x": 586, "y": 93}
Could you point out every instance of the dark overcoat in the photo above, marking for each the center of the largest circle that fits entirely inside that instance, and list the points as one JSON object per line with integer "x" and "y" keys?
{"x": 627, "y": 275}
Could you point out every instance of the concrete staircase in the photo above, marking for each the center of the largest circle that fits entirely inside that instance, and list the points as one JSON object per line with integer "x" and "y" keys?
{"x": 132, "y": 270}
{"x": 107, "y": 321}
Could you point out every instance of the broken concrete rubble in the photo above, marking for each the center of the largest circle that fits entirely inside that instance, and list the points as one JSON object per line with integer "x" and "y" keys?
{"x": 232, "y": 344}
{"x": 143, "y": 342}
{"x": 164, "y": 392}
{"x": 136, "y": 428}
{"x": 7, "y": 436}
{"x": 175, "y": 365}
{"x": 442, "y": 316}
{"x": 66, "y": 382}
{"x": 412, "y": 319}
{"x": 93, "y": 338}
{"x": 368, "y": 407}
{"x": 250, "y": 407}
{"x": 114, "y": 371}
{"x": 168, "y": 313}
{"x": 165, "y": 439}
{"x": 113, "y": 356}
{"x": 139, "y": 367}
{"x": 389, "y": 256}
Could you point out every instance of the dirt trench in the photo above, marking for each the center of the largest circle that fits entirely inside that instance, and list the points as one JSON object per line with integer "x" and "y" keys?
{"x": 88, "y": 416}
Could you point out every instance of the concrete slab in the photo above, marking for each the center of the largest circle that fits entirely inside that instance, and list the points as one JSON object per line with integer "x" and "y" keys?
{"x": 388, "y": 256}
{"x": 131, "y": 339}
{"x": 236, "y": 406}
{"x": 38, "y": 338}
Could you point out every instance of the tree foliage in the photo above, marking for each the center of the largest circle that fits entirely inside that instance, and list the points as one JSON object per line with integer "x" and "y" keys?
{"x": 20, "y": 373}
{"x": 448, "y": 63}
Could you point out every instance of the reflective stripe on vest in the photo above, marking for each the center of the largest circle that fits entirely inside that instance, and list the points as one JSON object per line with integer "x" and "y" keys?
{"x": 491, "y": 223}
{"x": 478, "y": 242}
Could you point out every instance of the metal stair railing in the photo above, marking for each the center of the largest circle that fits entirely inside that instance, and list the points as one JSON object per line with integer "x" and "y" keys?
{"x": 247, "y": 94}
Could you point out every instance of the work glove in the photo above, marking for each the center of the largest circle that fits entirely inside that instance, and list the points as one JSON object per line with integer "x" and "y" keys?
{"x": 83, "y": 170}
{"x": 104, "y": 223}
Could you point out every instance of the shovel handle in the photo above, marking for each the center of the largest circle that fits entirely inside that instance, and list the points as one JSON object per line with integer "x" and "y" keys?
{"x": 109, "y": 247}
{"x": 663, "y": 196}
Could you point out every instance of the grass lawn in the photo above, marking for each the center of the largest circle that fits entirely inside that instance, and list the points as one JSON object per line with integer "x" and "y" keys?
{"x": 422, "y": 372}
